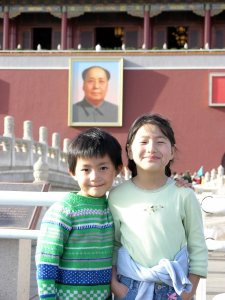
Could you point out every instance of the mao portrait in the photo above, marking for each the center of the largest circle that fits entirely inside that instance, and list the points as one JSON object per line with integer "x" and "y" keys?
{"x": 95, "y": 92}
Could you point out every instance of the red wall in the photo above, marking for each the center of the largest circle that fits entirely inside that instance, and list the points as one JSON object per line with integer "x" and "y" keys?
{"x": 182, "y": 95}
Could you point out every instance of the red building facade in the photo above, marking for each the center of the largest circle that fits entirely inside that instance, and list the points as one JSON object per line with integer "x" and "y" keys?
{"x": 174, "y": 82}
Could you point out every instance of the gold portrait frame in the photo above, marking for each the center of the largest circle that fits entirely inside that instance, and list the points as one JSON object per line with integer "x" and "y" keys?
{"x": 80, "y": 111}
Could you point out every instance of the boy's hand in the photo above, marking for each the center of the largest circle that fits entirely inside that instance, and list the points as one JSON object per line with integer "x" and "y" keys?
{"x": 119, "y": 289}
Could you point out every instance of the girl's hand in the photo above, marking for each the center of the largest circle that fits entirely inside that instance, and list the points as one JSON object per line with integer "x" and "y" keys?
{"x": 187, "y": 296}
{"x": 194, "y": 279}
{"x": 180, "y": 182}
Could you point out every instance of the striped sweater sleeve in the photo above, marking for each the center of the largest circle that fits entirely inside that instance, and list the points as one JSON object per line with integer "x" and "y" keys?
{"x": 54, "y": 232}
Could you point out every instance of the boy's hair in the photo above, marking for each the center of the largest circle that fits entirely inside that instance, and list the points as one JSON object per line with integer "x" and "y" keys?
{"x": 153, "y": 119}
{"x": 94, "y": 142}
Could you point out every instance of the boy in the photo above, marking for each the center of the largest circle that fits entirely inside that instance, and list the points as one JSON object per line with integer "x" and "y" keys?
{"x": 74, "y": 249}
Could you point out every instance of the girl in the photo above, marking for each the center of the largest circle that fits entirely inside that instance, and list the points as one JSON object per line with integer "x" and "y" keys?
{"x": 160, "y": 250}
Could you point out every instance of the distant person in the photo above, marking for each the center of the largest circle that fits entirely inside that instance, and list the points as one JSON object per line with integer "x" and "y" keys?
{"x": 75, "y": 245}
{"x": 94, "y": 107}
{"x": 187, "y": 176}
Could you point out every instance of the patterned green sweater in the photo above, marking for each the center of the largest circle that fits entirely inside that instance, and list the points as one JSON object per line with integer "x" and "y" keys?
{"x": 74, "y": 250}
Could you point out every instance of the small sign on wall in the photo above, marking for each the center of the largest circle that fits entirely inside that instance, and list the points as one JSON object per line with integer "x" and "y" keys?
{"x": 217, "y": 89}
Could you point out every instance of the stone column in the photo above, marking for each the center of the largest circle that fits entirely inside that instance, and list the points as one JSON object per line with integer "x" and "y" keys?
{"x": 64, "y": 29}
{"x": 146, "y": 26}
{"x": 13, "y": 43}
{"x": 5, "y": 45}
{"x": 69, "y": 36}
{"x": 207, "y": 26}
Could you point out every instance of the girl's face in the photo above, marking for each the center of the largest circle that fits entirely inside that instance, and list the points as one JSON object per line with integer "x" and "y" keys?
{"x": 151, "y": 150}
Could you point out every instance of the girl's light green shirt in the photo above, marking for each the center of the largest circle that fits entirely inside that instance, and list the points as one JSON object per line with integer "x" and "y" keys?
{"x": 156, "y": 224}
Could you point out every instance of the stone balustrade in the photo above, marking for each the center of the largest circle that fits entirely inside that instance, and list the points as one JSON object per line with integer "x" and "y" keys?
{"x": 17, "y": 152}
{"x": 24, "y": 159}
{"x": 213, "y": 181}
{"x": 215, "y": 177}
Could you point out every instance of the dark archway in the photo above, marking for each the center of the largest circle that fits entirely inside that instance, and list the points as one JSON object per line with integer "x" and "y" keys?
{"x": 176, "y": 37}
{"x": 42, "y": 36}
{"x": 107, "y": 37}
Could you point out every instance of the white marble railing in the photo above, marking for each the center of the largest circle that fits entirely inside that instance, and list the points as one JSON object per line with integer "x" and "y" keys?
{"x": 26, "y": 160}
{"x": 213, "y": 208}
{"x": 25, "y": 151}
{"x": 212, "y": 181}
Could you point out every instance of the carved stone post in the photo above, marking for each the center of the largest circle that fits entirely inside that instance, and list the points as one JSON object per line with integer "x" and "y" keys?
{"x": 28, "y": 130}
{"x": 56, "y": 148}
{"x": 207, "y": 177}
{"x": 9, "y": 133}
{"x": 40, "y": 171}
{"x": 43, "y": 135}
{"x": 43, "y": 139}
{"x": 56, "y": 140}
{"x": 220, "y": 176}
{"x": 28, "y": 135}
{"x": 66, "y": 143}
{"x": 213, "y": 174}
{"x": 9, "y": 127}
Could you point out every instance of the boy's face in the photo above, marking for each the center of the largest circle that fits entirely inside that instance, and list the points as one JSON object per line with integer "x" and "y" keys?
{"x": 95, "y": 175}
